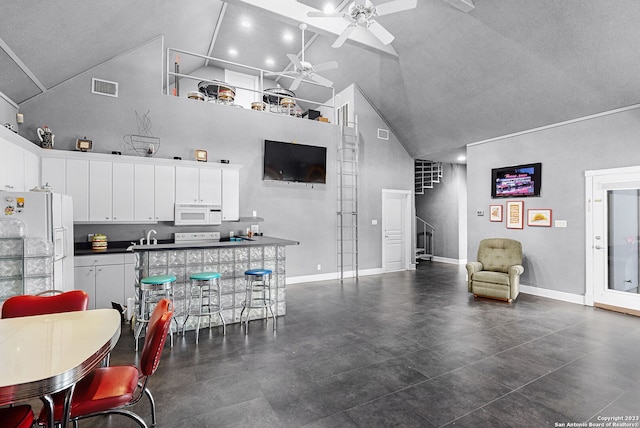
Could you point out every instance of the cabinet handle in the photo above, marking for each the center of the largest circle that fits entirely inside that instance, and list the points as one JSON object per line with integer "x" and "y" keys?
{"x": 107, "y": 218}
{"x": 115, "y": 218}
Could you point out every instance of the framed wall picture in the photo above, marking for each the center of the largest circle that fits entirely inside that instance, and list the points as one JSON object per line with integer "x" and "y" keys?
{"x": 539, "y": 217}
{"x": 515, "y": 215}
{"x": 495, "y": 213}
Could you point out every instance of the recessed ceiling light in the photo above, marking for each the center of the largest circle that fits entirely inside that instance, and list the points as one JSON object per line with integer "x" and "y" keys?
{"x": 287, "y": 36}
{"x": 269, "y": 61}
{"x": 245, "y": 23}
{"x": 233, "y": 52}
{"x": 328, "y": 8}
{"x": 462, "y": 158}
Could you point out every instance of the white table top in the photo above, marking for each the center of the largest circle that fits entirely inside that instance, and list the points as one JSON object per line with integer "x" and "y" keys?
{"x": 45, "y": 354}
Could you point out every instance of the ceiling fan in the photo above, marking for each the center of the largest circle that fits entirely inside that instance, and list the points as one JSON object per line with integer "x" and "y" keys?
{"x": 361, "y": 13}
{"x": 304, "y": 70}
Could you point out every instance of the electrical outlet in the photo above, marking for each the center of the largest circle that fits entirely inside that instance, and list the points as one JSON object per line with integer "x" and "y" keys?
{"x": 319, "y": 267}
{"x": 561, "y": 223}
{"x": 479, "y": 213}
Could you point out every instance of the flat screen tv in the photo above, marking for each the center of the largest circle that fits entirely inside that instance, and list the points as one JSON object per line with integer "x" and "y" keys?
{"x": 518, "y": 181}
{"x": 294, "y": 162}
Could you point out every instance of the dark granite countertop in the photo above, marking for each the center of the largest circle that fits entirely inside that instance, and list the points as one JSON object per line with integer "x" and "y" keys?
{"x": 115, "y": 247}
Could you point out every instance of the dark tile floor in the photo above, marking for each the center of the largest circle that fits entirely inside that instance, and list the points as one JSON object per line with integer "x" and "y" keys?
{"x": 407, "y": 349}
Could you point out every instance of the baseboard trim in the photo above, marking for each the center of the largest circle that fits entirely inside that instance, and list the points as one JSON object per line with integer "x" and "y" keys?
{"x": 449, "y": 260}
{"x": 331, "y": 276}
{"x": 553, "y": 294}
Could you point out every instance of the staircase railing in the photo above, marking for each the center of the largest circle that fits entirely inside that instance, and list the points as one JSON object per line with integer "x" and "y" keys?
{"x": 425, "y": 252}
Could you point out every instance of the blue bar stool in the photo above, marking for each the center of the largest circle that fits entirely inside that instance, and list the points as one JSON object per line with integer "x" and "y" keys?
{"x": 209, "y": 300}
{"x": 152, "y": 289}
{"x": 258, "y": 295}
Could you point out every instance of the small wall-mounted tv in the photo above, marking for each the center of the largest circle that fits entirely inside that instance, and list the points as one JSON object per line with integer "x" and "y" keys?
{"x": 294, "y": 162}
{"x": 518, "y": 181}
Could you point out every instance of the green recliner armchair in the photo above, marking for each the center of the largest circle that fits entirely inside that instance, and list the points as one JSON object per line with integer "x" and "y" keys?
{"x": 497, "y": 272}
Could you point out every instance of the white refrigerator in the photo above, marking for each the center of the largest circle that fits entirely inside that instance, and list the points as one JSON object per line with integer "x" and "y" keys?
{"x": 49, "y": 216}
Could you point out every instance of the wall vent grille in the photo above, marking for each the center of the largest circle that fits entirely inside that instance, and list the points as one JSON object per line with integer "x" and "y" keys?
{"x": 383, "y": 134}
{"x": 104, "y": 87}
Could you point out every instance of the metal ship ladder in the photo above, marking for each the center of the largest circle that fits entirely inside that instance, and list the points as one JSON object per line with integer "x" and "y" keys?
{"x": 347, "y": 157}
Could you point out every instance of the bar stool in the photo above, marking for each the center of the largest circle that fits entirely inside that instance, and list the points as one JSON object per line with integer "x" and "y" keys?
{"x": 152, "y": 289}
{"x": 258, "y": 295}
{"x": 209, "y": 300}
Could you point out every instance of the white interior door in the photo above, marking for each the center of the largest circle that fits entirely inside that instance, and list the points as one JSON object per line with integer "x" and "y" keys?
{"x": 613, "y": 238}
{"x": 395, "y": 230}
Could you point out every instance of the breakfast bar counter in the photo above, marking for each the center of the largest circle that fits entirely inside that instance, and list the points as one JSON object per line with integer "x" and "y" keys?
{"x": 231, "y": 259}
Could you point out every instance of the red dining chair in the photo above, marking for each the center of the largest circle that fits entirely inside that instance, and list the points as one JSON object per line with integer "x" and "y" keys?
{"x": 109, "y": 390}
{"x": 16, "y": 417}
{"x": 27, "y": 305}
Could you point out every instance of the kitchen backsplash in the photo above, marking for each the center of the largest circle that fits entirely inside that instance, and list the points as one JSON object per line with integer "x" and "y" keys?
{"x": 165, "y": 230}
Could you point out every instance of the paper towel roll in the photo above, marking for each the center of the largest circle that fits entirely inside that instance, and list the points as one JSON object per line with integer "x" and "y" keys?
{"x": 131, "y": 304}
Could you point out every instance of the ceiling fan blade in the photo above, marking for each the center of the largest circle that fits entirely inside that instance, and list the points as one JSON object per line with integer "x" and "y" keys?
{"x": 380, "y": 32}
{"x": 395, "y": 6}
{"x": 321, "y": 80}
{"x": 325, "y": 15}
{"x": 296, "y": 84}
{"x": 344, "y": 35}
{"x": 325, "y": 66}
{"x": 295, "y": 61}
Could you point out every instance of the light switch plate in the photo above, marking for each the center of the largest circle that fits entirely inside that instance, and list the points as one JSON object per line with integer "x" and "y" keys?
{"x": 374, "y": 222}
{"x": 561, "y": 223}
{"x": 479, "y": 213}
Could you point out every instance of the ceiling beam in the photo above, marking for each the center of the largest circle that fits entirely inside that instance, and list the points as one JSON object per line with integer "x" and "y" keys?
{"x": 22, "y": 66}
{"x": 464, "y": 5}
{"x": 293, "y": 13}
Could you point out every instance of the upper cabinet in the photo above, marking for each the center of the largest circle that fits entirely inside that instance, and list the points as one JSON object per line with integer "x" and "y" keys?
{"x": 107, "y": 188}
{"x": 19, "y": 168}
{"x": 230, "y": 194}
{"x": 199, "y": 185}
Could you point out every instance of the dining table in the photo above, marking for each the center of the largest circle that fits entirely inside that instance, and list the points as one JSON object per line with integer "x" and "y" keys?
{"x": 46, "y": 354}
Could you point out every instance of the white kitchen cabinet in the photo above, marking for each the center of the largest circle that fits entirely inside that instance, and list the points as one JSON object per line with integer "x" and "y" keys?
{"x": 106, "y": 278}
{"x": 144, "y": 193}
{"x": 100, "y": 191}
{"x": 52, "y": 173}
{"x": 164, "y": 192}
{"x": 122, "y": 191}
{"x": 230, "y": 194}
{"x": 109, "y": 285}
{"x": 14, "y": 168}
{"x": 77, "y": 179}
{"x": 187, "y": 188}
{"x": 210, "y": 186}
{"x": 84, "y": 278}
{"x": 3, "y": 164}
{"x": 199, "y": 185}
{"x": 31, "y": 170}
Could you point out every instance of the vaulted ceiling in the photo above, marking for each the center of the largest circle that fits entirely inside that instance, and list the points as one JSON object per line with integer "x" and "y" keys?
{"x": 503, "y": 67}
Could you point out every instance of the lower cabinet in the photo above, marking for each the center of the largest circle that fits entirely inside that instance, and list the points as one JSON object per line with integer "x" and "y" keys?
{"x": 106, "y": 278}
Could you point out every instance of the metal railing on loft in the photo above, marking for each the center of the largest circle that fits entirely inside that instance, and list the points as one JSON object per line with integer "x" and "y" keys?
{"x": 254, "y": 71}
{"x": 424, "y": 249}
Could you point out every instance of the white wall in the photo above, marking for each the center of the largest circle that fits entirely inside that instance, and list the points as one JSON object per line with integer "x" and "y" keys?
{"x": 554, "y": 257}
{"x": 303, "y": 213}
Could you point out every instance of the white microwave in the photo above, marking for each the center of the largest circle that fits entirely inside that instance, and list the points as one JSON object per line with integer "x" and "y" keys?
{"x": 197, "y": 214}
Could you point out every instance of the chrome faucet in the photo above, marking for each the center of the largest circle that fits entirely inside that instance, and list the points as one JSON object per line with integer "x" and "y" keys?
{"x": 155, "y": 241}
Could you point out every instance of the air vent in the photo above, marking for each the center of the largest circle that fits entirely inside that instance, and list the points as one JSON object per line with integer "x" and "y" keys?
{"x": 104, "y": 87}
{"x": 383, "y": 134}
